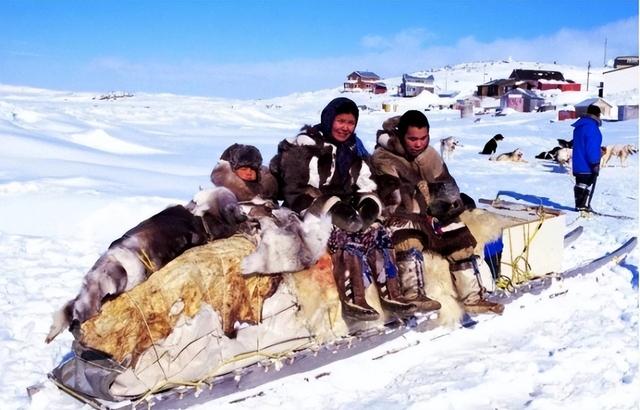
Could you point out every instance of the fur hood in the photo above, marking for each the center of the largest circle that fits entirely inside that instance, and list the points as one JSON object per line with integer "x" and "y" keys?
{"x": 265, "y": 187}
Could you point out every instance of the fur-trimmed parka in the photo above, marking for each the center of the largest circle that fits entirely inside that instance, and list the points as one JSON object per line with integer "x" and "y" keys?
{"x": 401, "y": 179}
{"x": 305, "y": 166}
{"x": 413, "y": 188}
{"x": 257, "y": 197}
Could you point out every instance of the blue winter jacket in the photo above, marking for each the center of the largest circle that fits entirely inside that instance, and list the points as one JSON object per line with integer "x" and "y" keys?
{"x": 587, "y": 140}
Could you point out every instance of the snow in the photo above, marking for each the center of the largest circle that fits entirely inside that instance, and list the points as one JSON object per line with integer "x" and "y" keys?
{"x": 76, "y": 172}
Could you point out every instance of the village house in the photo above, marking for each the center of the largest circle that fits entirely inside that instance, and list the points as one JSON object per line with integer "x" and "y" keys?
{"x": 366, "y": 81}
{"x": 607, "y": 110}
{"x": 542, "y": 80}
{"x": 413, "y": 85}
{"x": 625, "y": 61}
{"x": 521, "y": 100}
{"x": 527, "y": 80}
{"x": 620, "y": 80}
{"x": 496, "y": 88}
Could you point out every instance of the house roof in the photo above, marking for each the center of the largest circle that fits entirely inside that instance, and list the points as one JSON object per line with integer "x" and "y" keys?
{"x": 627, "y": 67}
{"x": 417, "y": 78}
{"x": 526, "y": 93}
{"x": 524, "y": 75}
{"x": 589, "y": 101}
{"x": 499, "y": 81}
{"x": 366, "y": 75}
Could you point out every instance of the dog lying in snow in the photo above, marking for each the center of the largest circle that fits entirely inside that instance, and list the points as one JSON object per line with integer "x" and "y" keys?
{"x": 141, "y": 251}
{"x": 552, "y": 154}
{"x": 448, "y": 146}
{"x": 513, "y": 156}
{"x": 288, "y": 244}
{"x": 622, "y": 151}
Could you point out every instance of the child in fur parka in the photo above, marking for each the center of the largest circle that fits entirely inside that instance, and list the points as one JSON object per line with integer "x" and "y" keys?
{"x": 240, "y": 170}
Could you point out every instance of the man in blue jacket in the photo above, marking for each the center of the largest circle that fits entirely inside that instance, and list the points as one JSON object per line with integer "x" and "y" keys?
{"x": 587, "y": 140}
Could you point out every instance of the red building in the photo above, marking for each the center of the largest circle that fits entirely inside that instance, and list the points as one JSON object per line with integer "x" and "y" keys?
{"x": 363, "y": 80}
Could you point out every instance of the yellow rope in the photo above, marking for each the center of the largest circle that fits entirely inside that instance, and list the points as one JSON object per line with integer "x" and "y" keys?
{"x": 146, "y": 325}
{"x": 520, "y": 274}
{"x": 146, "y": 261}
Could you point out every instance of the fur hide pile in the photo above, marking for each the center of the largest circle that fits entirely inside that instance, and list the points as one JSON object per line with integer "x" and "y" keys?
{"x": 208, "y": 274}
{"x": 287, "y": 244}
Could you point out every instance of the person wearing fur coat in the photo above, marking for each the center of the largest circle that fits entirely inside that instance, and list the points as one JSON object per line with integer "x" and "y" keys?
{"x": 325, "y": 169}
{"x": 422, "y": 207}
{"x": 240, "y": 170}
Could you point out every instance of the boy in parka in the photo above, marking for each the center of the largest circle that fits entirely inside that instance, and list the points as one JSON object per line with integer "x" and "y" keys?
{"x": 422, "y": 204}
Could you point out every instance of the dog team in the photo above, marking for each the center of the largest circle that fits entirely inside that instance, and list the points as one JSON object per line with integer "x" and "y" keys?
{"x": 374, "y": 213}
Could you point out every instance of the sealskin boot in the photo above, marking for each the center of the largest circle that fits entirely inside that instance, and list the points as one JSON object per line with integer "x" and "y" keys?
{"x": 347, "y": 272}
{"x": 410, "y": 269}
{"x": 389, "y": 288}
{"x": 470, "y": 292}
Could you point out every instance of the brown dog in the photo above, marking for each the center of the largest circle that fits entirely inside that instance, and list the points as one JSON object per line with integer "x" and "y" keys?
{"x": 622, "y": 151}
{"x": 143, "y": 250}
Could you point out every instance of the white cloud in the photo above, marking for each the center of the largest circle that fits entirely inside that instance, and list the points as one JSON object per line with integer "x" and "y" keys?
{"x": 405, "y": 51}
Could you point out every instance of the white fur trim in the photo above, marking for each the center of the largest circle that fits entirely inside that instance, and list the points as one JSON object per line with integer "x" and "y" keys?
{"x": 333, "y": 163}
{"x": 383, "y": 140}
{"x": 314, "y": 176}
{"x": 364, "y": 182}
{"x": 453, "y": 226}
{"x": 301, "y": 139}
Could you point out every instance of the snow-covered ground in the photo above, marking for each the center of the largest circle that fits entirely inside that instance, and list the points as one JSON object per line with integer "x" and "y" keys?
{"x": 76, "y": 172}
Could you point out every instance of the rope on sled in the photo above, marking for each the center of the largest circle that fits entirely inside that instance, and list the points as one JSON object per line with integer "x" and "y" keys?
{"x": 260, "y": 352}
{"x": 146, "y": 325}
{"x": 518, "y": 274}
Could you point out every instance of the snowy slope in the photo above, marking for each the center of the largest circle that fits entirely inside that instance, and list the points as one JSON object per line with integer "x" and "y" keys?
{"x": 76, "y": 172}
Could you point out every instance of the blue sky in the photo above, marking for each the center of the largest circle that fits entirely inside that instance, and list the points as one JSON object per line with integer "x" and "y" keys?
{"x": 258, "y": 49}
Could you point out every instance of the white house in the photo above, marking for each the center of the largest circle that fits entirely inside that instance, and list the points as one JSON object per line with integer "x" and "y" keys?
{"x": 620, "y": 80}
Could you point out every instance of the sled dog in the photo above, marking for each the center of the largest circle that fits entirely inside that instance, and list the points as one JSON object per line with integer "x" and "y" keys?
{"x": 513, "y": 156}
{"x": 448, "y": 146}
{"x": 288, "y": 244}
{"x": 141, "y": 251}
{"x": 563, "y": 156}
{"x": 622, "y": 151}
{"x": 492, "y": 145}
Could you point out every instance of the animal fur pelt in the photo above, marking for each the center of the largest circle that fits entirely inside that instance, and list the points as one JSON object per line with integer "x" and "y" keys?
{"x": 209, "y": 274}
{"x": 287, "y": 244}
{"x": 485, "y": 227}
{"x": 144, "y": 249}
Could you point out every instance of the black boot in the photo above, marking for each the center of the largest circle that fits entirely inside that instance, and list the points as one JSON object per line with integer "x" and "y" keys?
{"x": 581, "y": 196}
{"x": 347, "y": 273}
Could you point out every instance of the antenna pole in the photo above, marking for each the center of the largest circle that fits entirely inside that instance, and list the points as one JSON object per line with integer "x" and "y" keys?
{"x": 588, "y": 72}
{"x": 604, "y": 63}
